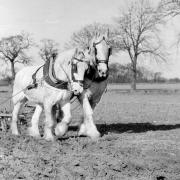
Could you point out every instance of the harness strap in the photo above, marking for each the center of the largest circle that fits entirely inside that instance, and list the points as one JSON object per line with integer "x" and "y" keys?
{"x": 50, "y": 78}
{"x": 80, "y": 60}
{"x": 34, "y": 83}
{"x": 74, "y": 70}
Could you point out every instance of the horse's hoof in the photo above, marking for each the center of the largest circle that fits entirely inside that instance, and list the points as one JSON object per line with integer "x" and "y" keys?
{"x": 92, "y": 133}
{"x": 94, "y": 136}
{"x": 15, "y": 133}
{"x": 49, "y": 138}
{"x": 33, "y": 133}
{"x": 82, "y": 130}
{"x": 14, "y": 130}
{"x": 61, "y": 129}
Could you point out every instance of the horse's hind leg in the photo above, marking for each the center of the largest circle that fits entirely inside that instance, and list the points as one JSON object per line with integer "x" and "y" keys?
{"x": 62, "y": 127}
{"x": 34, "y": 130}
{"x": 49, "y": 122}
{"x": 15, "y": 114}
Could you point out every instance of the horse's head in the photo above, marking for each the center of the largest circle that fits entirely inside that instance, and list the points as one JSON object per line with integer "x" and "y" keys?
{"x": 79, "y": 65}
{"x": 101, "y": 51}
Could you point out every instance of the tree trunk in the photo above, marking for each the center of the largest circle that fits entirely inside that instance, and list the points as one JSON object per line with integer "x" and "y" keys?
{"x": 133, "y": 82}
{"x": 13, "y": 70}
{"x": 134, "y": 73}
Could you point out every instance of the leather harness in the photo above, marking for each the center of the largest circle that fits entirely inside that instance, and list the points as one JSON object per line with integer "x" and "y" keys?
{"x": 50, "y": 76}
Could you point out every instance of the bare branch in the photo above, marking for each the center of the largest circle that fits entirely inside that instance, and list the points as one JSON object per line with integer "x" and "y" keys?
{"x": 12, "y": 49}
{"x": 169, "y": 7}
{"x": 48, "y": 49}
{"x": 137, "y": 32}
{"x": 83, "y": 37}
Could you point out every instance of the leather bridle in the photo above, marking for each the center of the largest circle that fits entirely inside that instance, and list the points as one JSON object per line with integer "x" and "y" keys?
{"x": 74, "y": 69}
{"x": 106, "y": 61}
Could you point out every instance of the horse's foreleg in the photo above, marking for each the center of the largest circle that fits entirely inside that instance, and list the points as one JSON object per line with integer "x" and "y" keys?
{"x": 88, "y": 127}
{"x": 62, "y": 127}
{"x": 34, "y": 130}
{"x": 49, "y": 122}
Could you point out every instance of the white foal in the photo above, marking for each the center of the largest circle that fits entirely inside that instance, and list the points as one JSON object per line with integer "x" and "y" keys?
{"x": 64, "y": 77}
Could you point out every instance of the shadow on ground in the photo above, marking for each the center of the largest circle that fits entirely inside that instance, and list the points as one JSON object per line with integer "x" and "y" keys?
{"x": 134, "y": 127}
{"x": 130, "y": 127}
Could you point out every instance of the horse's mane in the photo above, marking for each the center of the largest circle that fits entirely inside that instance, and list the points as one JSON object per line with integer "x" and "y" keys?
{"x": 65, "y": 55}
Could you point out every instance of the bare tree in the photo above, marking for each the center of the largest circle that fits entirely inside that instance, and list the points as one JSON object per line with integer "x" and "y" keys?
{"x": 82, "y": 37}
{"x": 48, "y": 49}
{"x": 137, "y": 33}
{"x": 169, "y": 7}
{"x": 12, "y": 49}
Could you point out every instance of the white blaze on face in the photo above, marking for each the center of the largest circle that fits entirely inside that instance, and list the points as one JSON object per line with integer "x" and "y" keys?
{"x": 102, "y": 54}
{"x": 102, "y": 69}
{"x": 77, "y": 88}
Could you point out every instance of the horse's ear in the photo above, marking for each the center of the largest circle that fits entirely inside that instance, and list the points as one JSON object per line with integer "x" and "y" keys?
{"x": 107, "y": 34}
{"x": 88, "y": 49}
{"x": 76, "y": 52}
{"x": 97, "y": 34}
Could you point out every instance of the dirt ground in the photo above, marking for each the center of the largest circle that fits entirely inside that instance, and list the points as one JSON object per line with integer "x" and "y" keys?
{"x": 140, "y": 141}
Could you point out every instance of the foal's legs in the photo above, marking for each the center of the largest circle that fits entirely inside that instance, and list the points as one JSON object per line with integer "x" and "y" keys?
{"x": 88, "y": 127}
{"x": 49, "y": 121}
{"x": 62, "y": 127}
{"x": 15, "y": 114}
{"x": 34, "y": 130}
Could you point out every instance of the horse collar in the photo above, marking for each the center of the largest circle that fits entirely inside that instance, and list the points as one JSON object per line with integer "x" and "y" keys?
{"x": 50, "y": 77}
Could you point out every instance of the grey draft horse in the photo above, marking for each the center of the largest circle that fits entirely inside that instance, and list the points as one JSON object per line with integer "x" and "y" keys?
{"x": 66, "y": 71}
{"x": 95, "y": 83}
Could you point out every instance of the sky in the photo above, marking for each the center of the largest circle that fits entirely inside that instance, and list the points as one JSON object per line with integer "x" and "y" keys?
{"x": 58, "y": 19}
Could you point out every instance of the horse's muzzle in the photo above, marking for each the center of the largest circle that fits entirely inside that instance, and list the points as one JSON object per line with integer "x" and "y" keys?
{"x": 77, "y": 88}
{"x": 102, "y": 73}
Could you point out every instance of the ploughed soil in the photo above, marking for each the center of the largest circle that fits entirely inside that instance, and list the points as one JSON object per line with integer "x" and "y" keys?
{"x": 140, "y": 140}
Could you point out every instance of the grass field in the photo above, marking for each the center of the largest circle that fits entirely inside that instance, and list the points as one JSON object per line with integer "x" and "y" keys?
{"x": 140, "y": 141}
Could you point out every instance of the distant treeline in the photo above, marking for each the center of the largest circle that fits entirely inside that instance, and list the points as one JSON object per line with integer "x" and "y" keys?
{"x": 119, "y": 73}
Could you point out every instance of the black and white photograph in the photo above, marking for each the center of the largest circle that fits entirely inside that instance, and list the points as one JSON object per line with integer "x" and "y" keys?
{"x": 89, "y": 89}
